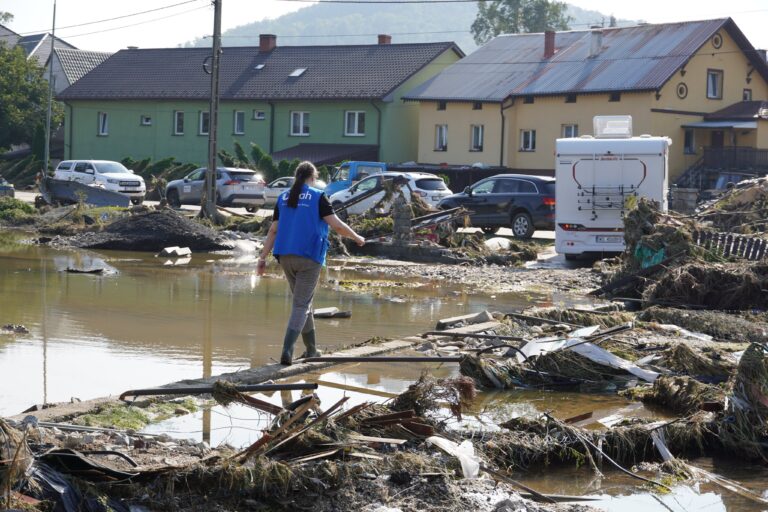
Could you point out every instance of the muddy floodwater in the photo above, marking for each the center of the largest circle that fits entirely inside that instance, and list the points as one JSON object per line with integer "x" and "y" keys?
{"x": 144, "y": 321}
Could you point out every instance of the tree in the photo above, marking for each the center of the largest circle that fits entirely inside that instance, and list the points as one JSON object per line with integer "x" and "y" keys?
{"x": 496, "y": 17}
{"x": 23, "y": 97}
{"x": 5, "y": 17}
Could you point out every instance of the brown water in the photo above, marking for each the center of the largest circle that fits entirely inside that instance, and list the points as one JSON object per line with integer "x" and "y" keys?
{"x": 144, "y": 323}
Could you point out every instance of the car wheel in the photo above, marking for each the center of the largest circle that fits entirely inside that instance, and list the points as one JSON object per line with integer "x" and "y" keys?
{"x": 488, "y": 230}
{"x": 522, "y": 225}
{"x": 137, "y": 200}
{"x": 173, "y": 198}
{"x": 250, "y": 209}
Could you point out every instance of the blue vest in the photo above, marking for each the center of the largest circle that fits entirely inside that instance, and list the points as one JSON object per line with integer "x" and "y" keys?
{"x": 300, "y": 230}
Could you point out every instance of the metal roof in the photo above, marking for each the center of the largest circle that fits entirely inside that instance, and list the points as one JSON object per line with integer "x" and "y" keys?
{"x": 76, "y": 63}
{"x": 332, "y": 72}
{"x": 743, "y": 110}
{"x": 738, "y": 125}
{"x": 638, "y": 58}
{"x": 38, "y": 46}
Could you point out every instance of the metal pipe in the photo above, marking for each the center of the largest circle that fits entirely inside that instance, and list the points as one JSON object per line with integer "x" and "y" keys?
{"x": 196, "y": 390}
{"x": 383, "y": 359}
{"x": 48, "y": 116}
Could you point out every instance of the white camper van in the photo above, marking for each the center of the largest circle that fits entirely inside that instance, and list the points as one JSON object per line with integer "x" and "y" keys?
{"x": 595, "y": 176}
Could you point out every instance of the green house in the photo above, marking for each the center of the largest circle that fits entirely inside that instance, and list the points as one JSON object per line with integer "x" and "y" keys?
{"x": 321, "y": 103}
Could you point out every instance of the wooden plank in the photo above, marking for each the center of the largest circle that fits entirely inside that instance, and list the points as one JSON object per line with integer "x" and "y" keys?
{"x": 314, "y": 456}
{"x": 377, "y": 440}
{"x": 580, "y": 417}
{"x": 748, "y": 250}
{"x": 421, "y": 429}
{"x": 357, "y": 389}
{"x": 353, "y": 410}
{"x": 386, "y": 417}
{"x": 361, "y": 455}
{"x": 728, "y": 244}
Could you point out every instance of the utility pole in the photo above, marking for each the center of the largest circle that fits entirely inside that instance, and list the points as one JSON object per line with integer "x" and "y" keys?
{"x": 50, "y": 97}
{"x": 208, "y": 208}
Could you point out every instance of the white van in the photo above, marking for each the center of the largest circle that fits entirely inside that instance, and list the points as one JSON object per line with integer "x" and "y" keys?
{"x": 596, "y": 176}
{"x": 105, "y": 174}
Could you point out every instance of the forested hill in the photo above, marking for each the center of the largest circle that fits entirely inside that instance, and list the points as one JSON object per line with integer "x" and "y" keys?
{"x": 332, "y": 23}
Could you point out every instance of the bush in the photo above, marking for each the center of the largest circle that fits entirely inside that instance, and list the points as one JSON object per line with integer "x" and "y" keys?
{"x": 11, "y": 203}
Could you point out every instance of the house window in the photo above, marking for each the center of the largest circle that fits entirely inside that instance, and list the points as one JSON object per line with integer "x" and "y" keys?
{"x": 259, "y": 115}
{"x": 478, "y": 105}
{"x": 527, "y": 140}
{"x": 204, "y": 123}
{"x": 476, "y": 137}
{"x": 746, "y": 95}
{"x": 441, "y": 137}
{"x": 178, "y": 122}
{"x": 714, "y": 84}
{"x": 146, "y": 121}
{"x": 614, "y": 96}
{"x": 239, "y": 122}
{"x": 354, "y": 124}
{"x": 441, "y": 105}
{"x": 570, "y": 131}
{"x": 300, "y": 124}
{"x": 570, "y": 98}
{"x": 103, "y": 128}
{"x": 528, "y": 99}
{"x": 689, "y": 142}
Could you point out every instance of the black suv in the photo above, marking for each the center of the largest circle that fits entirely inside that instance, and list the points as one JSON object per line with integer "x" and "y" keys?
{"x": 517, "y": 201}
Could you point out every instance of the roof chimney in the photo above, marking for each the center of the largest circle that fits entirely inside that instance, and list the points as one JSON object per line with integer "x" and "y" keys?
{"x": 385, "y": 39}
{"x": 267, "y": 42}
{"x": 549, "y": 43}
{"x": 596, "y": 42}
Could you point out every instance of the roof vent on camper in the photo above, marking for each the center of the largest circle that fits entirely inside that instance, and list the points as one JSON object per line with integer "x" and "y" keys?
{"x": 612, "y": 127}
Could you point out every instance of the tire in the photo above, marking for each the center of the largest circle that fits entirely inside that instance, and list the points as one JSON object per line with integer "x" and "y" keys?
{"x": 488, "y": 230}
{"x": 250, "y": 209}
{"x": 522, "y": 225}
{"x": 136, "y": 201}
{"x": 172, "y": 196}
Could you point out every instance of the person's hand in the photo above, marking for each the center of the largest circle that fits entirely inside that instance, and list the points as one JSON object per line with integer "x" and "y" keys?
{"x": 359, "y": 240}
{"x": 261, "y": 266}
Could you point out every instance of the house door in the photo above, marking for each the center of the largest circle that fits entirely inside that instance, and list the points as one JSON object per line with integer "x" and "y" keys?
{"x": 717, "y": 138}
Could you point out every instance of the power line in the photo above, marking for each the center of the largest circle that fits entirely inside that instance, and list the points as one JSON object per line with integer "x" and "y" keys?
{"x": 115, "y": 18}
{"x": 383, "y": 1}
{"x": 139, "y": 23}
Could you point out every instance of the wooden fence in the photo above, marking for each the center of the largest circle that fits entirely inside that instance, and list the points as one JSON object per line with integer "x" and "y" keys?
{"x": 732, "y": 245}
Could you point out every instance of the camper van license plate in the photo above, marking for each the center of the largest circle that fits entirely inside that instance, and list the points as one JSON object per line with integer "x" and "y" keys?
{"x": 609, "y": 239}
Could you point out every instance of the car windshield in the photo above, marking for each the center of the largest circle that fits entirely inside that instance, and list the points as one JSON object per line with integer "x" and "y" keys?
{"x": 108, "y": 167}
{"x": 243, "y": 176}
{"x": 431, "y": 184}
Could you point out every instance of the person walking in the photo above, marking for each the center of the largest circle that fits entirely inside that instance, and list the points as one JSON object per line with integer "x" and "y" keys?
{"x": 298, "y": 237}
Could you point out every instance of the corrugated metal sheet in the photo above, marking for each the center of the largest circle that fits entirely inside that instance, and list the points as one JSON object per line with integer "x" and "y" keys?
{"x": 630, "y": 59}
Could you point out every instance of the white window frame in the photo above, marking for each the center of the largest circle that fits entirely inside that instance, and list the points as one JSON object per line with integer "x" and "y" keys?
{"x": 569, "y": 131}
{"x": 476, "y": 137}
{"x": 715, "y": 88}
{"x": 204, "y": 114}
{"x": 102, "y": 129}
{"x": 354, "y": 130}
{"x": 178, "y": 114}
{"x": 441, "y": 137}
{"x": 303, "y": 127}
{"x": 238, "y": 115}
{"x": 259, "y": 115}
{"x": 528, "y": 140}
{"x": 746, "y": 95}
{"x": 145, "y": 120}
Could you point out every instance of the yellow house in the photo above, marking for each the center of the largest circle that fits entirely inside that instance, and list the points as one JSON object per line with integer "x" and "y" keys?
{"x": 700, "y": 83}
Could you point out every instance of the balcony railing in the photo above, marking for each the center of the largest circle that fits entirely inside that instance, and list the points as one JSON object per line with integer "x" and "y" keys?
{"x": 736, "y": 158}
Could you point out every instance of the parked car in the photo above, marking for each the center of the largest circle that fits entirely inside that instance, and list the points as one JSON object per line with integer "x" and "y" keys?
{"x": 429, "y": 187}
{"x": 234, "y": 187}
{"x": 517, "y": 201}
{"x": 280, "y": 185}
{"x": 6, "y": 189}
{"x": 103, "y": 173}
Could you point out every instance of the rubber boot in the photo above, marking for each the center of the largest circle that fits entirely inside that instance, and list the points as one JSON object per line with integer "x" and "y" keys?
{"x": 286, "y": 358}
{"x": 310, "y": 344}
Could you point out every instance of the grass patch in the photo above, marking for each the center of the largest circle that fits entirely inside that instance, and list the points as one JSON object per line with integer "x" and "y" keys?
{"x": 133, "y": 417}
